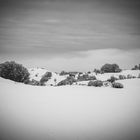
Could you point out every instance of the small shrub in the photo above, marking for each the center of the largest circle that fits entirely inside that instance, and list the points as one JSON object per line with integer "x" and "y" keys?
{"x": 63, "y": 82}
{"x": 55, "y": 81}
{"x": 85, "y": 77}
{"x": 129, "y": 76}
{"x": 106, "y": 83}
{"x": 34, "y": 83}
{"x": 97, "y": 83}
{"x": 45, "y": 77}
{"x": 112, "y": 79}
{"x": 71, "y": 79}
{"x": 122, "y": 77}
{"x": 71, "y": 74}
{"x": 136, "y": 67}
{"x": 68, "y": 81}
{"x": 63, "y": 73}
{"x": 97, "y": 71}
{"x": 117, "y": 85}
{"x": 139, "y": 75}
{"x": 92, "y": 78}
{"x": 14, "y": 71}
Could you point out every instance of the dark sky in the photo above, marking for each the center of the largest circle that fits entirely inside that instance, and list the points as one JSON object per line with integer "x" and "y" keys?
{"x": 41, "y": 32}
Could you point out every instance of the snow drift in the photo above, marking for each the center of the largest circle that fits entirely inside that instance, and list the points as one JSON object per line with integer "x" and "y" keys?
{"x": 69, "y": 112}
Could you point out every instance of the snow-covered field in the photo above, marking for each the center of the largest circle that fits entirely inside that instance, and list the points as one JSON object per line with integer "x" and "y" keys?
{"x": 69, "y": 112}
{"x": 37, "y": 74}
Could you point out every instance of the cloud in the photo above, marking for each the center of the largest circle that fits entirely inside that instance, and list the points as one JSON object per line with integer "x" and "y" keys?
{"x": 95, "y": 59}
{"x": 64, "y": 29}
{"x": 81, "y": 61}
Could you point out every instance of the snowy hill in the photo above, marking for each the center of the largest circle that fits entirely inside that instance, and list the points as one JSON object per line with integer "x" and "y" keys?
{"x": 69, "y": 112}
{"x": 38, "y": 73}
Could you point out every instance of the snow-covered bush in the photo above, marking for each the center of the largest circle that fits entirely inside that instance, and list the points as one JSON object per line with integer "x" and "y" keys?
{"x": 117, "y": 85}
{"x": 96, "y": 83}
{"x": 106, "y": 83}
{"x": 45, "y": 77}
{"x": 68, "y": 81}
{"x": 14, "y": 71}
{"x": 64, "y": 82}
{"x": 92, "y": 78}
{"x": 129, "y": 76}
{"x": 34, "y": 83}
{"x": 107, "y": 68}
{"x": 112, "y": 79}
{"x": 85, "y": 77}
{"x": 73, "y": 74}
{"x": 97, "y": 71}
{"x": 63, "y": 73}
{"x": 121, "y": 77}
{"x": 136, "y": 67}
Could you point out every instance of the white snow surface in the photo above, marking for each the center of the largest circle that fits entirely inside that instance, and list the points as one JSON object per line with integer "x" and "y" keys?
{"x": 37, "y": 73}
{"x": 69, "y": 112}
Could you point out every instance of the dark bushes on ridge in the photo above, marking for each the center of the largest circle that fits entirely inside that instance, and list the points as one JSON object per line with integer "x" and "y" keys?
{"x": 68, "y": 81}
{"x": 121, "y": 77}
{"x": 108, "y": 68}
{"x": 97, "y": 71}
{"x": 34, "y": 83}
{"x": 112, "y": 79}
{"x": 14, "y": 71}
{"x": 63, "y": 73}
{"x": 85, "y": 77}
{"x": 45, "y": 77}
{"x": 129, "y": 76}
{"x": 96, "y": 83}
{"x": 117, "y": 85}
{"x": 136, "y": 67}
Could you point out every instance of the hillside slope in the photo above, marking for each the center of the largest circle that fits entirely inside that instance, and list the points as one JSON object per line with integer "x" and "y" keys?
{"x": 69, "y": 112}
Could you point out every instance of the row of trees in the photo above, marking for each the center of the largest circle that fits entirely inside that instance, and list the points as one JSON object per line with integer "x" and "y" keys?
{"x": 136, "y": 67}
{"x": 16, "y": 72}
{"x": 13, "y": 71}
{"x": 107, "y": 68}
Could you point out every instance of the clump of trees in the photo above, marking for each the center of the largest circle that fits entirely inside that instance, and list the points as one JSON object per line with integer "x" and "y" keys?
{"x": 117, "y": 85}
{"x": 112, "y": 79}
{"x": 97, "y": 71}
{"x": 136, "y": 67}
{"x": 108, "y": 68}
{"x": 122, "y": 77}
{"x": 34, "y": 83}
{"x": 71, "y": 73}
{"x": 45, "y": 78}
{"x": 63, "y": 73}
{"x": 68, "y": 81}
{"x": 85, "y": 77}
{"x": 14, "y": 71}
{"x": 96, "y": 83}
